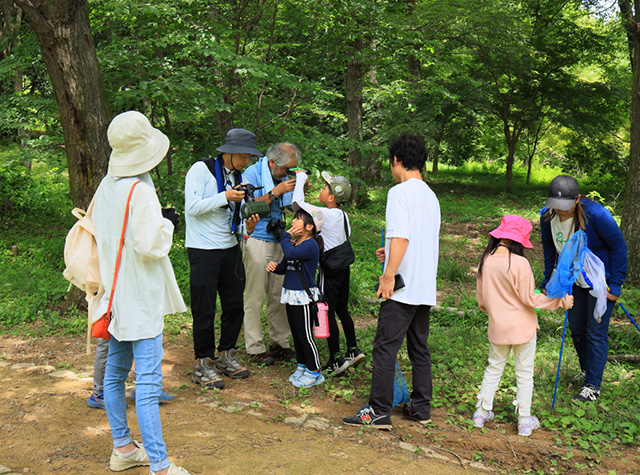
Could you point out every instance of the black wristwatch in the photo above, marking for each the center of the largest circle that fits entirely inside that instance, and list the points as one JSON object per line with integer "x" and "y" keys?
{"x": 272, "y": 197}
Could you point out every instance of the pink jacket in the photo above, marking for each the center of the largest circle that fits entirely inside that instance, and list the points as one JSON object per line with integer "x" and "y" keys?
{"x": 506, "y": 293}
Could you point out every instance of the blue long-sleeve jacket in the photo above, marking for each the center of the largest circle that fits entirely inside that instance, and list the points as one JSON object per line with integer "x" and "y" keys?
{"x": 604, "y": 238}
{"x": 307, "y": 253}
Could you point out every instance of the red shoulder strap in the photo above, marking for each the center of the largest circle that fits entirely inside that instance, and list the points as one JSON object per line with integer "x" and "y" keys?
{"x": 124, "y": 228}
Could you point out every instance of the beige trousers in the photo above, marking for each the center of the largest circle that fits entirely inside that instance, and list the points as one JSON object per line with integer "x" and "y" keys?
{"x": 255, "y": 255}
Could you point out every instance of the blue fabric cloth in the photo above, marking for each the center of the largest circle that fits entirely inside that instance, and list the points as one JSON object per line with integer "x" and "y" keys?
{"x": 400, "y": 390}
{"x": 258, "y": 175}
{"x": 590, "y": 338}
{"x": 569, "y": 266}
{"x": 307, "y": 253}
{"x": 604, "y": 238}
{"x": 148, "y": 356}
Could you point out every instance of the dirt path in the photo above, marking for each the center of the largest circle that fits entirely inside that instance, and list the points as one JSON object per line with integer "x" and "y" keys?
{"x": 258, "y": 425}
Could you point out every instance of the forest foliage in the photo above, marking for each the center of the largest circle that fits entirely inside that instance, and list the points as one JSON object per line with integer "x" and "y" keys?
{"x": 506, "y": 82}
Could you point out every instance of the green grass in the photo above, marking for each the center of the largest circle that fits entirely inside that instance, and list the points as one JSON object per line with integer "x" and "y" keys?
{"x": 32, "y": 295}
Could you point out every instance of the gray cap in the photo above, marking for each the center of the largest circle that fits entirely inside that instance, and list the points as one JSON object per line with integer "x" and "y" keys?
{"x": 340, "y": 186}
{"x": 563, "y": 193}
{"x": 240, "y": 141}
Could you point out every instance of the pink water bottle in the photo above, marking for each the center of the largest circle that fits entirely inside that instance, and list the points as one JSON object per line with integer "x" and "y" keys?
{"x": 322, "y": 329}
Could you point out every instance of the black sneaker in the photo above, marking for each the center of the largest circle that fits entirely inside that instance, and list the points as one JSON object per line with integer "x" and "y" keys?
{"x": 588, "y": 393}
{"x": 423, "y": 417}
{"x": 367, "y": 417}
{"x": 279, "y": 353}
{"x": 262, "y": 359}
{"x": 354, "y": 356}
{"x": 336, "y": 367}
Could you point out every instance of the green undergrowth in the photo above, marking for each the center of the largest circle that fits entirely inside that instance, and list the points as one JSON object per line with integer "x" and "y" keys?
{"x": 459, "y": 349}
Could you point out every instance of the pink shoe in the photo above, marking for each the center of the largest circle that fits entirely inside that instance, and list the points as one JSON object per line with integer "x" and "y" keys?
{"x": 528, "y": 426}
{"x": 479, "y": 419}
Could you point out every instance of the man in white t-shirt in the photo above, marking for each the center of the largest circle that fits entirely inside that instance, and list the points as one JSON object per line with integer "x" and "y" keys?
{"x": 411, "y": 251}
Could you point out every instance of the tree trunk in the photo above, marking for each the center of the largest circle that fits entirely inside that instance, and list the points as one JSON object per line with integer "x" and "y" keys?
{"x": 511, "y": 140}
{"x": 631, "y": 213}
{"x": 436, "y": 156}
{"x": 354, "y": 76}
{"x": 62, "y": 30}
{"x": 10, "y": 19}
{"x": 436, "y": 150}
{"x": 225, "y": 123}
{"x": 167, "y": 125}
{"x": 413, "y": 62}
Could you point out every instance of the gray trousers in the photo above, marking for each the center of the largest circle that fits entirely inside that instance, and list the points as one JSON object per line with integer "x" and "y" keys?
{"x": 99, "y": 365}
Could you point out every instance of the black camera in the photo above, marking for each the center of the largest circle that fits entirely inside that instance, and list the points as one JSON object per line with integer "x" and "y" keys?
{"x": 171, "y": 215}
{"x": 250, "y": 205}
{"x": 276, "y": 226}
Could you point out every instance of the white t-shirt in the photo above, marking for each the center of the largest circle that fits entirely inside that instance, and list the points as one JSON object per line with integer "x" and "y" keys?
{"x": 413, "y": 213}
{"x": 330, "y": 221}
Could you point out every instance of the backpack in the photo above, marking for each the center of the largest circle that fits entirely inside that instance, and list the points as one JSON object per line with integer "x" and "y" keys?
{"x": 81, "y": 253}
{"x": 81, "y": 260}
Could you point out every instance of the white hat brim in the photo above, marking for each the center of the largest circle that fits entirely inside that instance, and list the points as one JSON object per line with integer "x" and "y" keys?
{"x": 141, "y": 160}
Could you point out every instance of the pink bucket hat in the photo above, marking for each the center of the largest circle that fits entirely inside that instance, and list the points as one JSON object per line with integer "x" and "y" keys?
{"x": 515, "y": 228}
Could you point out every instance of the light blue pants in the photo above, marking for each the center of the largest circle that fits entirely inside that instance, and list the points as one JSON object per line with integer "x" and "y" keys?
{"x": 148, "y": 356}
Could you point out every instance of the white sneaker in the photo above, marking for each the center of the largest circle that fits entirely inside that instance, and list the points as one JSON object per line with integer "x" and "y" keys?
{"x": 527, "y": 425}
{"x": 480, "y": 417}
{"x": 120, "y": 462}
{"x": 174, "y": 470}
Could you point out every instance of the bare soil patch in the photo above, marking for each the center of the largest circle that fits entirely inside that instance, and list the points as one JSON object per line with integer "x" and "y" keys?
{"x": 257, "y": 425}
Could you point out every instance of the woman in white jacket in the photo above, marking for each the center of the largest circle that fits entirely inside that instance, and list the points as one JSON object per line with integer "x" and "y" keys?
{"x": 146, "y": 288}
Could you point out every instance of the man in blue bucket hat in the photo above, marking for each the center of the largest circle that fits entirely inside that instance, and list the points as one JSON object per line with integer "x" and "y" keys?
{"x": 214, "y": 228}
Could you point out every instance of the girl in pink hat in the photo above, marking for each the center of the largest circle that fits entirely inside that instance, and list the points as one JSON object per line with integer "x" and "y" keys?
{"x": 505, "y": 288}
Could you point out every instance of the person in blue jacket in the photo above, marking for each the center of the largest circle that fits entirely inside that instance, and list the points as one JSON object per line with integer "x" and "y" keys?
{"x": 565, "y": 212}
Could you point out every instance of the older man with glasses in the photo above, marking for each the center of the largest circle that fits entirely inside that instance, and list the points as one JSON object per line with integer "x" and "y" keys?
{"x": 262, "y": 246}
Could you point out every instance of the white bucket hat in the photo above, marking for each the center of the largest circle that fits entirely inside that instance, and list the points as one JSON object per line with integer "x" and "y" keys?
{"x": 316, "y": 214}
{"x": 137, "y": 146}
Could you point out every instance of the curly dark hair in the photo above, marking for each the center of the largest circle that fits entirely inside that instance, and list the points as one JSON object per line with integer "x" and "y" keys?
{"x": 410, "y": 151}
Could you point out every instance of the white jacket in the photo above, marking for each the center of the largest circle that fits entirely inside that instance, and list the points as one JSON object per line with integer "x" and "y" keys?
{"x": 146, "y": 289}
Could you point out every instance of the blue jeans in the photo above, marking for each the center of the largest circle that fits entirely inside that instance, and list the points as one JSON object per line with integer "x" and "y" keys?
{"x": 590, "y": 338}
{"x": 148, "y": 356}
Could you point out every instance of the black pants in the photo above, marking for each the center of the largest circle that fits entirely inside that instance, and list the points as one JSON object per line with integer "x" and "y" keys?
{"x": 301, "y": 324}
{"x": 335, "y": 287}
{"x": 216, "y": 272}
{"x": 396, "y": 320}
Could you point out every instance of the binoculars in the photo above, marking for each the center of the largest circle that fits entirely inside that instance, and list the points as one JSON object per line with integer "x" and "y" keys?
{"x": 292, "y": 171}
{"x": 250, "y": 205}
